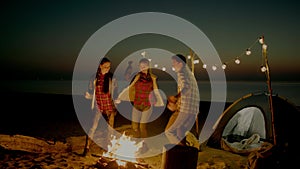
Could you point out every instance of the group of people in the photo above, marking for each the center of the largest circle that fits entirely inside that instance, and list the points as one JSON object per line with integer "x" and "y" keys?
{"x": 143, "y": 93}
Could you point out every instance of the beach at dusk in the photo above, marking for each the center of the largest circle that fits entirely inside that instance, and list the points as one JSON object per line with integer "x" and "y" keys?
{"x": 243, "y": 56}
{"x": 50, "y": 121}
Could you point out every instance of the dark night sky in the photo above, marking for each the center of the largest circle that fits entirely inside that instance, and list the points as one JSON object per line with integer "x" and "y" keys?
{"x": 42, "y": 39}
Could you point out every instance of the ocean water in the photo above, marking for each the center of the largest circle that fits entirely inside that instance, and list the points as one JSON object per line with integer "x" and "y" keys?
{"x": 235, "y": 89}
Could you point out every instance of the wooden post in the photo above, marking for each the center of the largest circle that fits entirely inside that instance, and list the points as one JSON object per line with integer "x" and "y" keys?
{"x": 192, "y": 54}
{"x": 264, "y": 53}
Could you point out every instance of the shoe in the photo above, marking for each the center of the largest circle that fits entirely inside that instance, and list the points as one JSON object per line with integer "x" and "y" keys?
{"x": 191, "y": 140}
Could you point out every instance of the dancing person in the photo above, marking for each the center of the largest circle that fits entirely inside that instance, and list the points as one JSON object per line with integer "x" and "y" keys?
{"x": 187, "y": 102}
{"x": 143, "y": 93}
{"x": 104, "y": 87}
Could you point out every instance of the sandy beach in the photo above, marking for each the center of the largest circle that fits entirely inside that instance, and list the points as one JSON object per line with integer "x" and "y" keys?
{"x": 49, "y": 120}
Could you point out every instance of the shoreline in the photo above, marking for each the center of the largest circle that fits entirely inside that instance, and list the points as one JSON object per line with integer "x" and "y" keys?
{"x": 235, "y": 89}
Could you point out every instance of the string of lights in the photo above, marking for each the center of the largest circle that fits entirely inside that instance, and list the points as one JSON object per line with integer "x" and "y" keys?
{"x": 236, "y": 60}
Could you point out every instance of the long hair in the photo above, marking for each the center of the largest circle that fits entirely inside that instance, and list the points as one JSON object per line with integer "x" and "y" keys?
{"x": 107, "y": 76}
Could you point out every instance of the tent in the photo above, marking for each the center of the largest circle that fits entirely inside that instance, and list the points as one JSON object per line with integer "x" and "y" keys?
{"x": 246, "y": 127}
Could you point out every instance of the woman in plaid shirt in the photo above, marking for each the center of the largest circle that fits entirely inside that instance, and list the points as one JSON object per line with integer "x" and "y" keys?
{"x": 143, "y": 93}
{"x": 103, "y": 87}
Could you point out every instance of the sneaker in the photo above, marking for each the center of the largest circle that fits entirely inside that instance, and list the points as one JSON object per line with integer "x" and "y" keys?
{"x": 191, "y": 140}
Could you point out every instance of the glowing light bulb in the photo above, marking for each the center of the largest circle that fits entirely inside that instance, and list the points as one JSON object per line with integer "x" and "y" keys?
{"x": 196, "y": 61}
{"x": 261, "y": 40}
{"x": 264, "y": 46}
{"x": 189, "y": 56}
{"x": 163, "y": 69}
{"x": 214, "y": 67}
{"x": 248, "y": 52}
{"x": 224, "y": 66}
{"x": 173, "y": 68}
{"x": 143, "y": 54}
{"x": 156, "y": 65}
{"x": 237, "y": 61}
{"x": 149, "y": 60}
{"x": 204, "y": 66}
{"x": 263, "y": 69}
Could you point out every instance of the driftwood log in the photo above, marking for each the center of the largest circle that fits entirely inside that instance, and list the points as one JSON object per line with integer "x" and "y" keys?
{"x": 40, "y": 145}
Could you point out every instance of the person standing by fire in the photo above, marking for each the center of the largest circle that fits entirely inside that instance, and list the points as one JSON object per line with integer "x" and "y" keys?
{"x": 143, "y": 93}
{"x": 185, "y": 104}
{"x": 104, "y": 88}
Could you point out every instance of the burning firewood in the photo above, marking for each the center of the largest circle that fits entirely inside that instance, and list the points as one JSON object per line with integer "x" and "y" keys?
{"x": 106, "y": 163}
{"x": 110, "y": 163}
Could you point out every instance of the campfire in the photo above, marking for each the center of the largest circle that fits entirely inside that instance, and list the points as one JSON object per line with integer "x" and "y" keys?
{"x": 121, "y": 154}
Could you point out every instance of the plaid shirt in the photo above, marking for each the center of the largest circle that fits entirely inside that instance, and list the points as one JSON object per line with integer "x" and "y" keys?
{"x": 143, "y": 88}
{"x": 189, "y": 99}
{"x": 104, "y": 100}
